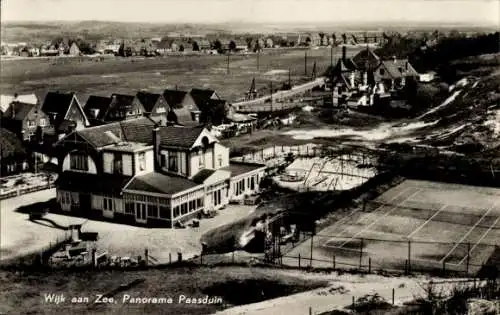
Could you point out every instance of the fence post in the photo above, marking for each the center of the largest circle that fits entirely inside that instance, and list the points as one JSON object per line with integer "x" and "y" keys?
{"x": 468, "y": 258}
{"x": 409, "y": 256}
{"x": 353, "y": 302}
{"x": 361, "y": 254}
{"x": 146, "y": 256}
{"x": 333, "y": 262}
{"x": 179, "y": 256}
{"x": 393, "y": 294}
{"x": 169, "y": 258}
{"x": 312, "y": 242}
{"x": 299, "y": 262}
{"x": 369, "y": 264}
{"x": 406, "y": 266}
{"x": 310, "y": 310}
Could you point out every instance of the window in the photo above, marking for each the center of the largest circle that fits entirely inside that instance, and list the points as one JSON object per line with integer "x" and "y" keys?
{"x": 160, "y": 110}
{"x": 152, "y": 211}
{"x": 184, "y": 208}
{"x": 117, "y": 164}
{"x": 142, "y": 161}
{"x": 164, "y": 212}
{"x": 31, "y": 123}
{"x": 131, "y": 112}
{"x": 79, "y": 162}
{"x": 172, "y": 162}
{"x": 129, "y": 207}
{"x": 163, "y": 160}
{"x": 108, "y": 204}
{"x": 202, "y": 158}
{"x": 43, "y": 122}
{"x": 176, "y": 211}
{"x": 252, "y": 183}
{"x": 199, "y": 203}
{"x": 219, "y": 158}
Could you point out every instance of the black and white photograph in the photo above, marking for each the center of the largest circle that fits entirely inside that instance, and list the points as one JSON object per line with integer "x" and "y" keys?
{"x": 250, "y": 157}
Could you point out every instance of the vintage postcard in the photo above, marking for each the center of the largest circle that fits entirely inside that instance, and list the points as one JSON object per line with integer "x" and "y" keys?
{"x": 250, "y": 157}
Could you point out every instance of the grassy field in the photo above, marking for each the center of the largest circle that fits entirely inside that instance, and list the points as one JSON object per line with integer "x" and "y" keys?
{"x": 25, "y": 293}
{"x": 127, "y": 75}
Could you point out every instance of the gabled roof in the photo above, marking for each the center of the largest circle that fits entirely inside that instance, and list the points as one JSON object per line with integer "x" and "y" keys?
{"x": 200, "y": 95}
{"x": 366, "y": 58}
{"x": 122, "y": 100}
{"x": 202, "y": 175}
{"x": 148, "y": 100}
{"x": 160, "y": 183}
{"x": 399, "y": 68}
{"x": 210, "y": 103}
{"x": 137, "y": 130}
{"x": 99, "y": 103}
{"x": 174, "y": 98}
{"x": 6, "y": 100}
{"x": 19, "y": 110}
{"x": 57, "y": 103}
{"x": 179, "y": 136}
{"x": 10, "y": 145}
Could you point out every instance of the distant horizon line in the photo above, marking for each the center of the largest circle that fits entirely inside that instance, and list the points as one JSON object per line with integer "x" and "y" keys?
{"x": 400, "y": 22}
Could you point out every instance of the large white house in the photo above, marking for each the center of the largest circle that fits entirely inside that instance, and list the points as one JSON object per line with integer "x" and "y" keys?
{"x": 138, "y": 172}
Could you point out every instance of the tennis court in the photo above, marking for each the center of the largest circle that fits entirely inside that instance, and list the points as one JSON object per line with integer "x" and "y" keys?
{"x": 426, "y": 225}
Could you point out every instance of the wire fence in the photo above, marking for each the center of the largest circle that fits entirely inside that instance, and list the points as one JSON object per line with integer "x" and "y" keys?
{"x": 21, "y": 185}
{"x": 377, "y": 255}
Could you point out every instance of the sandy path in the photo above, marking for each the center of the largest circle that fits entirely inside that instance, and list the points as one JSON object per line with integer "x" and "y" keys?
{"x": 330, "y": 298}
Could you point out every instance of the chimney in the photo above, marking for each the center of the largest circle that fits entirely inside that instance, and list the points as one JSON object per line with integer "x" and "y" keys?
{"x": 13, "y": 109}
{"x": 344, "y": 50}
{"x": 156, "y": 147}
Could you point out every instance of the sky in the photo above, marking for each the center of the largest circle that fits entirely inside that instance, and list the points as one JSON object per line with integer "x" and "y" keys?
{"x": 472, "y": 12}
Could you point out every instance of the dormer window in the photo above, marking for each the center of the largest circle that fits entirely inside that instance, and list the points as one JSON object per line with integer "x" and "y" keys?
{"x": 79, "y": 162}
{"x": 142, "y": 161}
{"x": 118, "y": 164}
{"x": 201, "y": 158}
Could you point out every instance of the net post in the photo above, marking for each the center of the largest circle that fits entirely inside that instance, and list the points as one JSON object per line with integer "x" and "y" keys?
{"x": 468, "y": 258}
{"x": 361, "y": 254}
{"x": 409, "y": 256}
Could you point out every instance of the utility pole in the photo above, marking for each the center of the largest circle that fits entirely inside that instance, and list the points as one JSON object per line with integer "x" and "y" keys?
{"x": 331, "y": 56}
{"x": 305, "y": 63}
{"x": 290, "y": 77}
{"x": 271, "y": 96}
{"x": 258, "y": 59}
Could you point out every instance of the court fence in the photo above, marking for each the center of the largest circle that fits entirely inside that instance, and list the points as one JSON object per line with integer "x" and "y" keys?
{"x": 445, "y": 259}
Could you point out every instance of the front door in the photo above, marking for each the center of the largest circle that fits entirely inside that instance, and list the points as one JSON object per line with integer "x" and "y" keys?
{"x": 140, "y": 212}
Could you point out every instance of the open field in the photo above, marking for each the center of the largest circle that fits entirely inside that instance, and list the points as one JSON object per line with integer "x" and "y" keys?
{"x": 127, "y": 75}
{"x": 427, "y": 225}
{"x": 20, "y": 236}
